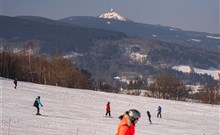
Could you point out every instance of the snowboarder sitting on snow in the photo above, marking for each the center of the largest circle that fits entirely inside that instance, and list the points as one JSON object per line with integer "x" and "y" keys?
{"x": 159, "y": 112}
{"x": 15, "y": 82}
{"x": 36, "y": 104}
{"x": 108, "y": 110}
{"x": 149, "y": 116}
{"x": 127, "y": 123}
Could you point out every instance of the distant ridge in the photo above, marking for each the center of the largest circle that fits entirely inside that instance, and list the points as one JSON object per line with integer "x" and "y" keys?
{"x": 114, "y": 21}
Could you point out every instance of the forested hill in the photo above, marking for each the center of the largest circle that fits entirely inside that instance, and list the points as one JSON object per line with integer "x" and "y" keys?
{"x": 132, "y": 28}
{"x": 51, "y": 35}
{"x": 104, "y": 53}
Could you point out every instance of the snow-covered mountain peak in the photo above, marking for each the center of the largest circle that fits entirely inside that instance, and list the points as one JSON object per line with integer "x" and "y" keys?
{"x": 113, "y": 15}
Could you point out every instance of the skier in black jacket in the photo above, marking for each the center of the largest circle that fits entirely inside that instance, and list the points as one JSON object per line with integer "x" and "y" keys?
{"x": 149, "y": 116}
{"x": 15, "y": 83}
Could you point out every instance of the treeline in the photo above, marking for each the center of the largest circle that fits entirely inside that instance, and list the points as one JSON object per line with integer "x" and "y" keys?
{"x": 192, "y": 77}
{"x": 166, "y": 86}
{"x": 208, "y": 94}
{"x": 29, "y": 65}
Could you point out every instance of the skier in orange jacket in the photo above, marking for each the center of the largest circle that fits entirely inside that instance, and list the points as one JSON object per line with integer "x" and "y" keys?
{"x": 127, "y": 123}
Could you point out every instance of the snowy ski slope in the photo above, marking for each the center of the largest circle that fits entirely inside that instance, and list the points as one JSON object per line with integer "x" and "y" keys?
{"x": 81, "y": 112}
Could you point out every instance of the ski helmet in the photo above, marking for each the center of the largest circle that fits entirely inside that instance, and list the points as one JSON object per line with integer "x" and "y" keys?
{"x": 134, "y": 113}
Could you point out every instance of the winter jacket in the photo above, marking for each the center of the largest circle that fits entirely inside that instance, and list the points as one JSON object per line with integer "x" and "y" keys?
{"x": 38, "y": 102}
{"x": 159, "y": 109}
{"x": 125, "y": 126}
{"x": 148, "y": 114}
{"x": 15, "y": 82}
{"x": 107, "y": 107}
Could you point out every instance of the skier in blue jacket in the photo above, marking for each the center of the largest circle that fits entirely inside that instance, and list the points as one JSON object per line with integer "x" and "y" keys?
{"x": 159, "y": 112}
{"x": 36, "y": 104}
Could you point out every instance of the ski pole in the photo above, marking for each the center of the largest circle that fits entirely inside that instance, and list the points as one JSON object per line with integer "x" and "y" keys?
{"x": 9, "y": 124}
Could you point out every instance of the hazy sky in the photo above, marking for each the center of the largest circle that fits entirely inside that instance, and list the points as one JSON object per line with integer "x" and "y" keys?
{"x": 196, "y": 15}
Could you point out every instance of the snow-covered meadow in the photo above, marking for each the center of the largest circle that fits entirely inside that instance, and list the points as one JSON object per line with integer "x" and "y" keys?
{"x": 82, "y": 112}
{"x": 186, "y": 69}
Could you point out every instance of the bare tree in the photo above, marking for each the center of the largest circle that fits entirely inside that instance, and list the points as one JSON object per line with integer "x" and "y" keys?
{"x": 168, "y": 87}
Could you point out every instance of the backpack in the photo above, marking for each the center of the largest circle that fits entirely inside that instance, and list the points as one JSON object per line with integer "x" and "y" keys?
{"x": 35, "y": 103}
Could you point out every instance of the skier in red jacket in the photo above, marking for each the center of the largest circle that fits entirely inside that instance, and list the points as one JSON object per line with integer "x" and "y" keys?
{"x": 108, "y": 109}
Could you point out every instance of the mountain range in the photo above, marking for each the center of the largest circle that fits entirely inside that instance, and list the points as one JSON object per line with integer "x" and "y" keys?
{"x": 114, "y": 21}
{"x": 50, "y": 35}
{"x": 116, "y": 46}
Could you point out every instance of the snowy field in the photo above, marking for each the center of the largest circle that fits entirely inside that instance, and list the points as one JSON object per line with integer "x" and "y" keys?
{"x": 81, "y": 112}
{"x": 212, "y": 71}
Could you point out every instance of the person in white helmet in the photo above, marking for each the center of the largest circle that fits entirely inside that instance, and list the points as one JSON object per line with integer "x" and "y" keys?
{"x": 128, "y": 121}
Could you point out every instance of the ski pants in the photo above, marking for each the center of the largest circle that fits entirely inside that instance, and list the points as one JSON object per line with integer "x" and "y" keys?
{"x": 108, "y": 112}
{"x": 150, "y": 119}
{"x": 159, "y": 115}
{"x": 38, "y": 109}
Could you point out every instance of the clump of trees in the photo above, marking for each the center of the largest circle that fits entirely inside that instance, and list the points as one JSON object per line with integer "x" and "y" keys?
{"x": 29, "y": 65}
{"x": 208, "y": 94}
{"x": 170, "y": 87}
{"x": 167, "y": 86}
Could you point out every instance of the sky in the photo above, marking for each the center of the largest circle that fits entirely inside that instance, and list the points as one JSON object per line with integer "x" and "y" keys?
{"x": 68, "y": 111}
{"x": 195, "y": 15}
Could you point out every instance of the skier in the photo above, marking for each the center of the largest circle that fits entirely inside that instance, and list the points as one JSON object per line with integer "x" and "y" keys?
{"x": 108, "y": 110}
{"x": 159, "y": 112}
{"x": 36, "y": 104}
{"x": 149, "y": 116}
{"x": 15, "y": 83}
{"x": 127, "y": 123}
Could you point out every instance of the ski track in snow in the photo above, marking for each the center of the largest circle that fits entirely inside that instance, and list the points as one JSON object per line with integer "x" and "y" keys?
{"x": 82, "y": 112}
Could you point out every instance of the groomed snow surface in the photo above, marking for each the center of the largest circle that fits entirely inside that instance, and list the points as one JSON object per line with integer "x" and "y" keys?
{"x": 82, "y": 112}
